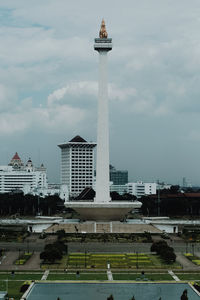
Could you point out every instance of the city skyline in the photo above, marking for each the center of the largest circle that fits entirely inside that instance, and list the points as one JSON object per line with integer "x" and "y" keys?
{"x": 48, "y": 91}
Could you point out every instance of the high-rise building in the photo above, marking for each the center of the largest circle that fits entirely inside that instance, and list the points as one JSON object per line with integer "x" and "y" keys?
{"x": 17, "y": 176}
{"x": 118, "y": 177}
{"x": 77, "y": 165}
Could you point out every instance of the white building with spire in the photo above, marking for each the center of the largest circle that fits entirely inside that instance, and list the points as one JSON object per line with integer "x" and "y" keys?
{"x": 17, "y": 176}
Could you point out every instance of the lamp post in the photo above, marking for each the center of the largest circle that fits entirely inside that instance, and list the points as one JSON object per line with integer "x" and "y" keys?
{"x": 159, "y": 202}
{"x": 186, "y": 247}
{"x": 28, "y": 246}
{"x": 137, "y": 259}
{"x": 193, "y": 249}
{"x": 85, "y": 259}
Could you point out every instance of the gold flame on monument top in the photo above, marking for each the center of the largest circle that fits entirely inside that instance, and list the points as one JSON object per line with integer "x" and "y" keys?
{"x": 103, "y": 33}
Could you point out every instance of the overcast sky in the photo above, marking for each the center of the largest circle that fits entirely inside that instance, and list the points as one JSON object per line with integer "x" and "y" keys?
{"x": 48, "y": 83}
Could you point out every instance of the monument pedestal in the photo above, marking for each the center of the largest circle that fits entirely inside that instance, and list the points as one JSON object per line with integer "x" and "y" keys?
{"x": 112, "y": 211}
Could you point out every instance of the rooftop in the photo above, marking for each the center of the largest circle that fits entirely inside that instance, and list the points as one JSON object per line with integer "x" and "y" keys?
{"x": 78, "y": 139}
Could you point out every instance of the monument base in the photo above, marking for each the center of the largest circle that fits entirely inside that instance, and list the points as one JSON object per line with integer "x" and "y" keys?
{"x": 112, "y": 211}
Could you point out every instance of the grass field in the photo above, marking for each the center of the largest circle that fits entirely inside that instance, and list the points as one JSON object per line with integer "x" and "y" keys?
{"x": 116, "y": 261}
{"x": 21, "y": 276}
{"x": 137, "y": 276}
{"x": 188, "y": 276}
{"x": 13, "y": 288}
{"x": 82, "y": 276}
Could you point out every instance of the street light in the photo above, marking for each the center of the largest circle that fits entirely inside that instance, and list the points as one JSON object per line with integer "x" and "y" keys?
{"x": 159, "y": 201}
{"x": 193, "y": 249}
{"x": 137, "y": 259}
{"x": 85, "y": 259}
{"x": 186, "y": 247}
{"x": 28, "y": 246}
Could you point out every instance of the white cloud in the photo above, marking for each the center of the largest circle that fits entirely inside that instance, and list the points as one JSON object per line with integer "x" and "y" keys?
{"x": 36, "y": 44}
{"x": 27, "y": 117}
{"x": 89, "y": 88}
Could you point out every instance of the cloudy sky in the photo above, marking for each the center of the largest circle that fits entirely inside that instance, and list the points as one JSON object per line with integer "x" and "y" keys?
{"x": 48, "y": 83}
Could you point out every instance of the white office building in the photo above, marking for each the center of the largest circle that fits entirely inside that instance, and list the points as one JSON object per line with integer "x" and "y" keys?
{"x": 140, "y": 188}
{"x": 17, "y": 176}
{"x": 77, "y": 165}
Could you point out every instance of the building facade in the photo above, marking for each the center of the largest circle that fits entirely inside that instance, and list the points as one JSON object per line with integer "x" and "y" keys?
{"x": 118, "y": 177}
{"x": 77, "y": 165}
{"x": 17, "y": 176}
{"x": 140, "y": 188}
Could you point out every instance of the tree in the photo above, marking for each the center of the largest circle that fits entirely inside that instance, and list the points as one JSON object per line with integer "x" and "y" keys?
{"x": 168, "y": 255}
{"x": 110, "y": 297}
{"x": 165, "y": 252}
{"x": 51, "y": 255}
{"x": 174, "y": 189}
{"x": 158, "y": 246}
{"x": 184, "y": 295}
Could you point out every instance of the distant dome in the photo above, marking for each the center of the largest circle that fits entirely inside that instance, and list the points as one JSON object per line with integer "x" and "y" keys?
{"x": 29, "y": 162}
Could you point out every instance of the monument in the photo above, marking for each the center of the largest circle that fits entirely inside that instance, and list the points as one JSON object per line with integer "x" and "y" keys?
{"x": 103, "y": 44}
{"x": 102, "y": 208}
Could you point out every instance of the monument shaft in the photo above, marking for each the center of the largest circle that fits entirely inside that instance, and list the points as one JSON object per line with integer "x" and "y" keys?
{"x": 102, "y": 175}
{"x": 103, "y": 45}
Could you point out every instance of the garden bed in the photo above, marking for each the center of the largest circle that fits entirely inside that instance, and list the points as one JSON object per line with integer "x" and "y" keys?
{"x": 193, "y": 258}
{"x": 23, "y": 258}
{"x": 116, "y": 261}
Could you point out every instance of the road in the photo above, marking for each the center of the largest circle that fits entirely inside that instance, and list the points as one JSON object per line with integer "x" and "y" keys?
{"x": 179, "y": 247}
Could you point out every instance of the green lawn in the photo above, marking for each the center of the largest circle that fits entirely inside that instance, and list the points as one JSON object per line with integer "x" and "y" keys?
{"x": 13, "y": 288}
{"x": 82, "y": 276}
{"x": 188, "y": 276}
{"x": 21, "y": 276}
{"x": 158, "y": 263}
{"x": 137, "y": 276}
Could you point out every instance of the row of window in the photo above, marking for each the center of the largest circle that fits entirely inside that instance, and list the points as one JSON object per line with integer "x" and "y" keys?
{"x": 82, "y": 180}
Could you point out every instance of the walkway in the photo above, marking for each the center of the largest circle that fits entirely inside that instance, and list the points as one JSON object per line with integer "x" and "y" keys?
{"x": 186, "y": 263}
{"x": 173, "y": 275}
{"x": 109, "y": 273}
{"x": 46, "y": 274}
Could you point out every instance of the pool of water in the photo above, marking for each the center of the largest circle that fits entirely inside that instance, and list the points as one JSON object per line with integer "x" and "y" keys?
{"x": 100, "y": 291}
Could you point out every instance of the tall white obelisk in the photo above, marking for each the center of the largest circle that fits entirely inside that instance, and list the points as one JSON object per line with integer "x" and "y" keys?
{"x": 103, "y": 44}
{"x": 103, "y": 209}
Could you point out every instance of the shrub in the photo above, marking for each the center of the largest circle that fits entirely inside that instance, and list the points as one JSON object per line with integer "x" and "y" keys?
{"x": 51, "y": 254}
{"x": 158, "y": 246}
{"x": 168, "y": 255}
{"x": 165, "y": 252}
